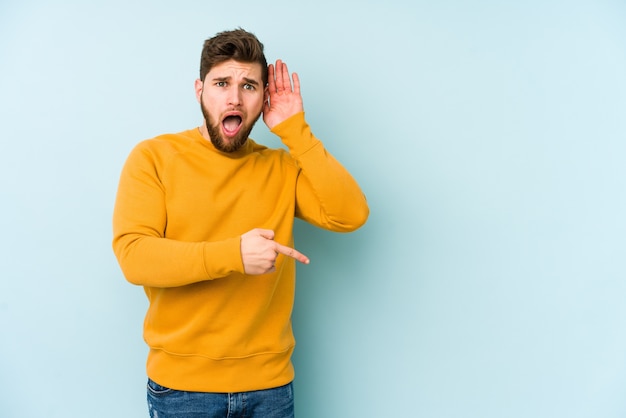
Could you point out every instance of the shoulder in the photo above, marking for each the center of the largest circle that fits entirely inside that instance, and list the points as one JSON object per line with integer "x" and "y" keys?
{"x": 159, "y": 149}
{"x": 167, "y": 143}
{"x": 171, "y": 142}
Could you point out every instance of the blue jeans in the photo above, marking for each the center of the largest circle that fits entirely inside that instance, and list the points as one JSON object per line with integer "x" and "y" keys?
{"x": 169, "y": 403}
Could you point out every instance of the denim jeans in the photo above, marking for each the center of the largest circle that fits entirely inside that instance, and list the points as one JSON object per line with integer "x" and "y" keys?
{"x": 169, "y": 403}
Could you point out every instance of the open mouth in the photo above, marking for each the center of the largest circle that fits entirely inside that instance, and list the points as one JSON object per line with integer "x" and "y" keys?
{"x": 231, "y": 124}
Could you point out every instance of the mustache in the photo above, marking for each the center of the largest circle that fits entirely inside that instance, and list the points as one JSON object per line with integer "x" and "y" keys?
{"x": 215, "y": 135}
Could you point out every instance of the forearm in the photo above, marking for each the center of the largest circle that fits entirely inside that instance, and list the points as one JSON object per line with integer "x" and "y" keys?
{"x": 160, "y": 262}
{"x": 327, "y": 194}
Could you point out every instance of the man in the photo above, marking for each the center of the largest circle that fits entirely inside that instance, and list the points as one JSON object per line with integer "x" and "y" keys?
{"x": 203, "y": 221}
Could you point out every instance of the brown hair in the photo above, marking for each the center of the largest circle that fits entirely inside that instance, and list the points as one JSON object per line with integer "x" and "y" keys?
{"x": 238, "y": 45}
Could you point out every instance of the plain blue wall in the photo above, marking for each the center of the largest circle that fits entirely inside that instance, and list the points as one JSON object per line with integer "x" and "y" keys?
{"x": 489, "y": 137}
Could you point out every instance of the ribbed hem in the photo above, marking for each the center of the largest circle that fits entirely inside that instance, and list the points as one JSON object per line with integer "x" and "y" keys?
{"x": 201, "y": 374}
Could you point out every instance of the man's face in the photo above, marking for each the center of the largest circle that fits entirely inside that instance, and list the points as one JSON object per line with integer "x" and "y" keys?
{"x": 231, "y": 97}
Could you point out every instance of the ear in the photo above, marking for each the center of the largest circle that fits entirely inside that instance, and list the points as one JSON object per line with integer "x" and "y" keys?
{"x": 198, "y": 89}
{"x": 266, "y": 94}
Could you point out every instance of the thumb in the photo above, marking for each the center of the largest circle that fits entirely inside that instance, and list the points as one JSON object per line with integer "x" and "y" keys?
{"x": 265, "y": 233}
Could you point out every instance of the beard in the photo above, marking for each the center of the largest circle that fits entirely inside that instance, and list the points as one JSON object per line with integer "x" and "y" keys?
{"x": 218, "y": 140}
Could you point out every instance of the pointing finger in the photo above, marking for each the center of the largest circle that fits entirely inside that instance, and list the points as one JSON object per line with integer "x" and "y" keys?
{"x": 290, "y": 252}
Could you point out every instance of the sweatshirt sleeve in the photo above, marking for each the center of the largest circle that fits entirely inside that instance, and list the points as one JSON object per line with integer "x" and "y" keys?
{"x": 327, "y": 195}
{"x": 146, "y": 256}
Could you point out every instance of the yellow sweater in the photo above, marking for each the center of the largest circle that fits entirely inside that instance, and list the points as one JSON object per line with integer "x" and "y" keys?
{"x": 180, "y": 210}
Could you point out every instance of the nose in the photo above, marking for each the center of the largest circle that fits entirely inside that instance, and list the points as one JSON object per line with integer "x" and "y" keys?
{"x": 234, "y": 96}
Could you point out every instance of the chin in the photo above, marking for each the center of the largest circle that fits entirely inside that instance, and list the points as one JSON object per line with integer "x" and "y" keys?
{"x": 227, "y": 145}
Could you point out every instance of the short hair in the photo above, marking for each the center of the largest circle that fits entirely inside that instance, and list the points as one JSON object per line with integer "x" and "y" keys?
{"x": 238, "y": 45}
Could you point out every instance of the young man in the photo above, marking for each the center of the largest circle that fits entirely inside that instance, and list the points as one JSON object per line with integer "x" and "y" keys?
{"x": 203, "y": 221}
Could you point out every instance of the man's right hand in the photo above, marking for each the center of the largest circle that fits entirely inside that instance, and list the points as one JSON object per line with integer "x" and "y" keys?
{"x": 259, "y": 252}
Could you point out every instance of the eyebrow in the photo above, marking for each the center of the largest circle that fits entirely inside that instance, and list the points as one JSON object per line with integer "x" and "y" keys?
{"x": 246, "y": 79}
{"x": 251, "y": 81}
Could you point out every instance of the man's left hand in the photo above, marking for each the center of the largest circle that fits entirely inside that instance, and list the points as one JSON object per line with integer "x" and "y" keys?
{"x": 284, "y": 99}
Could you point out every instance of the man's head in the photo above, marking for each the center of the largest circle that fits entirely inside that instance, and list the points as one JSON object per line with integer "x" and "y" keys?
{"x": 237, "y": 45}
{"x": 232, "y": 87}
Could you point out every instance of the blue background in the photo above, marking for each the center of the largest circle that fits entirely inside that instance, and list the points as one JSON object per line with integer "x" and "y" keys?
{"x": 489, "y": 137}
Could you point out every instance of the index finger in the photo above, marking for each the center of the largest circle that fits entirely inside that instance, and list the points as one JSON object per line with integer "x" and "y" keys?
{"x": 293, "y": 253}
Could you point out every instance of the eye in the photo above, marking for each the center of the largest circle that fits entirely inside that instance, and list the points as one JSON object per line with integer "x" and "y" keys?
{"x": 220, "y": 84}
{"x": 248, "y": 87}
